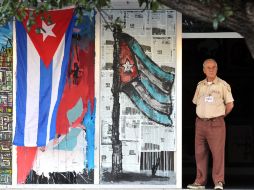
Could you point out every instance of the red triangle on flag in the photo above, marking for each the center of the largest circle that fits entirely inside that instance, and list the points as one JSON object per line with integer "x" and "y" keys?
{"x": 46, "y": 42}
{"x": 128, "y": 70}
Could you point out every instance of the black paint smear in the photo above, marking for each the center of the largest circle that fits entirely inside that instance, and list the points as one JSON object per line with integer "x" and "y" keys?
{"x": 132, "y": 177}
{"x": 61, "y": 178}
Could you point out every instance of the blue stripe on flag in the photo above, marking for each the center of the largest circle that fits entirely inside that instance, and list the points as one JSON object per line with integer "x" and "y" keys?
{"x": 165, "y": 108}
{"x": 21, "y": 85}
{"x": 164, "y": 86}
{"x": 146, "y": 109}
{"x": 151, "y": 66}
{"x": 44, "y": 102}
{"x": 154, "y": 91}
{"x": 68, "y": 38}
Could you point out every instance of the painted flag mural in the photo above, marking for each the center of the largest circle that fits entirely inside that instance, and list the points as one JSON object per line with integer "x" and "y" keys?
{"x": 138, "y": 98}
{"x": 42, "y": 61}
{"x": 145, "y": 83}
{"x": 69, "y": 158}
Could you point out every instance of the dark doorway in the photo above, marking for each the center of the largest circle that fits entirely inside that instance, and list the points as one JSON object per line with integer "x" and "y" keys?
{"x": 236, "y": 66}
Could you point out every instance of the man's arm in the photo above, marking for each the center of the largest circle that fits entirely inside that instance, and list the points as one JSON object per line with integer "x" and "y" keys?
{"x": 229, "y": 107}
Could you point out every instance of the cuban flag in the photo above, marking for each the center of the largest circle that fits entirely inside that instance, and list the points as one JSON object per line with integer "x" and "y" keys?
{"x": 42, "y": 60}
{"x": 144, "y": 82}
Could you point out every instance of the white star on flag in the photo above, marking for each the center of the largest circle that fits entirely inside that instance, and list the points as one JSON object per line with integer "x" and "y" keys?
{"x": 127, "y": 66}
{"x": 47, "y": 30}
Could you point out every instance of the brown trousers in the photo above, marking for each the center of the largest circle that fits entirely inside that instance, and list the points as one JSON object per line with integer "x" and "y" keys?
{"x": 210, "y": 135}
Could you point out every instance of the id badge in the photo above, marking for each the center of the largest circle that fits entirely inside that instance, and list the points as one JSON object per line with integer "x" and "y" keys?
{"x": 209, "y": 99}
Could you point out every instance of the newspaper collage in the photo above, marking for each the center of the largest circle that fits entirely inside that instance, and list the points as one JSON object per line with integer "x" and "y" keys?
{"x": 156, "y": 33}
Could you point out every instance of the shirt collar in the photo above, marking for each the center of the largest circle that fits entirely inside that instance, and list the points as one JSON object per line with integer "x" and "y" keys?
{"x": 215, "y": 81}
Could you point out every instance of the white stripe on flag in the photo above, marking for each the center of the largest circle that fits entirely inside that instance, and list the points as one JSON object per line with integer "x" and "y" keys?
{"x": 57, "y": 67}
{"x": 161, "y": 107}
{"x": 32, "y": 102}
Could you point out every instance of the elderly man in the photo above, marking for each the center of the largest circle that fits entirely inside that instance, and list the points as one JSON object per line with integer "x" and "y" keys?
{"x": 214, "y": 100}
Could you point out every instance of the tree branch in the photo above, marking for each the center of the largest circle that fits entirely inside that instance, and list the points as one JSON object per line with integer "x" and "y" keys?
{"x": 242, "y": 21}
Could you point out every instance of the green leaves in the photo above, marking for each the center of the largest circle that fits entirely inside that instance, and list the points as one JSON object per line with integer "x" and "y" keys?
{"x": 154, "y": 5}
{"x": 17, "y": 9}
{"x": 218, "y": 18}
{"x": 225, "y": 11}
{"x": 10, "y": 9}
{"x": 117, "y": 24}
{"x": 228, "y": 11}
{"x": 101, "y": 3}
{"x": 5, "y": 11}
{"x": 149, "y": 4}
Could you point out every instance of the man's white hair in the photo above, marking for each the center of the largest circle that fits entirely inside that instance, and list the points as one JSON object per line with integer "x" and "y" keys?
{"x": 209, "y": 60}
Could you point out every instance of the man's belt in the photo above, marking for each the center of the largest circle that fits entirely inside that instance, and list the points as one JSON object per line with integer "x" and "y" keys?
{"x": 210, "y": 119}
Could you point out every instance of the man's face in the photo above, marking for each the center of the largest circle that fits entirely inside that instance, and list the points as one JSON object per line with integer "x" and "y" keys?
{"x": 210, "y": 69}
